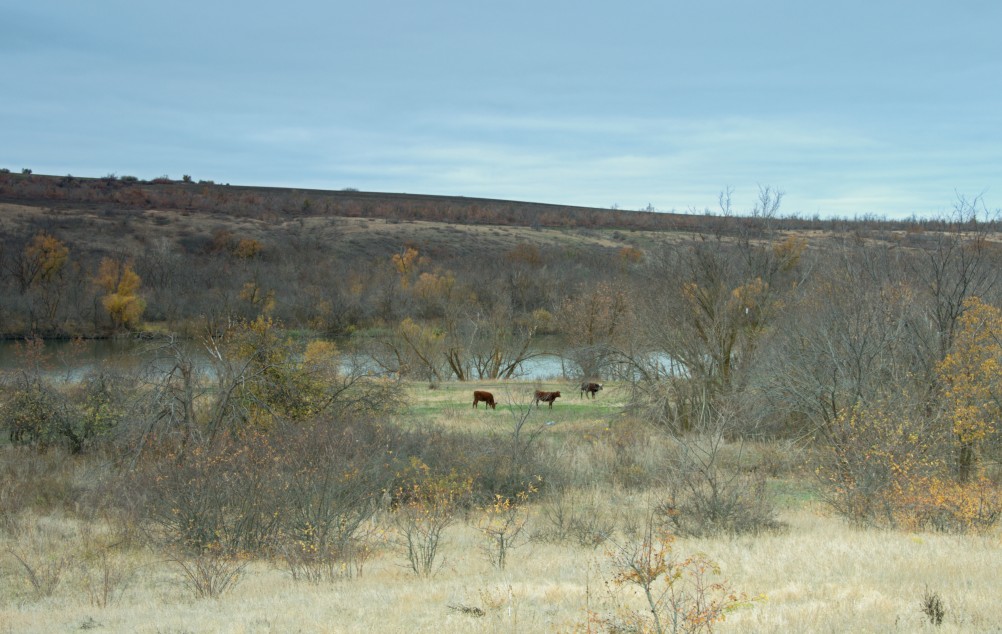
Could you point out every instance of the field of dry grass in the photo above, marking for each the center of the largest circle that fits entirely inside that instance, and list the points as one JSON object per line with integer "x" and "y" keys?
{"x": 817, "y": 576}
{"x": 67, "y": 570}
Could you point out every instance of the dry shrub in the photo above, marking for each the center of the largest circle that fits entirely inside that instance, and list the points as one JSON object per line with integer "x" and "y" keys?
{"x": 626, "y": 454}
{"x": 333, "y": 484}
{"x": 885, "y": 469}
{"x": 502, "y": 525}
{"x": 945, "y": 505}
{"x": 210, "y": 573}
{"x": 577, "y": 517}
{"x": 780, "y": 457}
{"x": 489, "y": 461}
{"x": 706, "y": 498}
{"x": 635, "y": 457}
{"x": 31, "y": 479}
{"x": 303, "y": 487}
{"x": 220, "y": 496}
{"x": 43, "y": 571}
{"x": 106, "y": 577}
{"x": 426, "y": 504}
{"x": 678, "y": 592}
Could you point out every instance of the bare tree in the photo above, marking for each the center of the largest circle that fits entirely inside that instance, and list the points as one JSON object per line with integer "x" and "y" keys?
{"x": 704, "y": 310}
{"x": 951, "y": 266}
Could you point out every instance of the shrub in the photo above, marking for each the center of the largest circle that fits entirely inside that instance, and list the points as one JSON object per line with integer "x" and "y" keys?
{"x": 33, "y": 415}
{"x": 678, "y": 593}
{"x": 105, "y": 577}
{"x": 211, "y": 573}
{"x": 945, "y": 505}
{"x": 881, "y": 467}
{"x": 304, "y": 491}
{"x": 31, "y": 479}
{"x": 43, "y": 572}
{"x": 39, "y": 414}
{"x": 502, "y": 524}
{"x": 704, "y": 498}
{"x": 427, "y": 504}
{"x": 334, "y": 476}
{"x": 222, "y": 497}
{"x": 571, "y": 517}
{"x": 932, "y": 607}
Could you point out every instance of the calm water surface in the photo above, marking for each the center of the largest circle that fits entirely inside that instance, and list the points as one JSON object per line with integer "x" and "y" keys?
{"x": 70, "y": 360}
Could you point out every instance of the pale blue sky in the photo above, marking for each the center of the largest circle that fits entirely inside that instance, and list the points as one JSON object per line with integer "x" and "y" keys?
{"x": 850, "y": 107}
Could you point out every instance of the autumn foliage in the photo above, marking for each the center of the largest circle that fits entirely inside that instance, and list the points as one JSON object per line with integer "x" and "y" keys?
{"x": 121, "y": 297}
{"x": 972, "y": 381}
{"x": 678, "y": 592}
{"x": 888, "y": 468}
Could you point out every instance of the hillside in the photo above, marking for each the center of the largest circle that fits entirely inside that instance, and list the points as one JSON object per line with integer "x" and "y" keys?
{"x": 324, "y": 260}
{"x": 277, "y": 204}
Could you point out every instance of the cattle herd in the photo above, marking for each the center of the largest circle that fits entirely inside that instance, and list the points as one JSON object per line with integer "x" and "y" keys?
{"x": 481, "y": 396}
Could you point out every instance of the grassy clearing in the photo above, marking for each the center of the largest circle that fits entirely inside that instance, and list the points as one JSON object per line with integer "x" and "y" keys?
{"x": 63, "y": 569}
{"x": 450, "y": 405}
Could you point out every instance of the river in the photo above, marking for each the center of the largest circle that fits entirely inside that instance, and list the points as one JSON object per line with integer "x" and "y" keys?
{"x": 70, "y": 360}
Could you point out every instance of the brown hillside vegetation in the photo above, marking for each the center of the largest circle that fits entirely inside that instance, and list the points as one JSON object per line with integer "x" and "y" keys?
{"x": 324, "y": 256}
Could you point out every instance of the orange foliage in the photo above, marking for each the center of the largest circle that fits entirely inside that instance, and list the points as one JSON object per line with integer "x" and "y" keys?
{"x": 884, "y": 469}
{"x": 631, "y": 255}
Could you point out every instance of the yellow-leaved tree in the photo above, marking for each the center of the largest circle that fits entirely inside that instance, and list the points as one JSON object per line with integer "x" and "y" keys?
{"x": 46, "y": 255}
{"x": 972, "y": 382}
{"x": 406, "y": 264}
{"x": 121, "y": 286}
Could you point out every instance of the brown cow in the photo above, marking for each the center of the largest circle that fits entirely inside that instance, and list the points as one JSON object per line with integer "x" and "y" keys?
{"x": 590, "y": 388}
{"x": 546, "y": 397}
{"x": 486, "y": 397}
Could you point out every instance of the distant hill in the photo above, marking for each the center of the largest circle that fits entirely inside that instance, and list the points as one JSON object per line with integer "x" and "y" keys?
{"x": 276, "y": 204}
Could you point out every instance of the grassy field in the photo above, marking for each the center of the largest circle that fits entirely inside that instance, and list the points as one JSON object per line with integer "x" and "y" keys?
{"x": 65, "y": 570}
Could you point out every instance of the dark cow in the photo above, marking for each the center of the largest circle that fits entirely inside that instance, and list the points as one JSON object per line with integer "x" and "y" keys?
{"x": 486, "y": 397}
{"x": 590, "y": 388}
{"x": 546, "y": 397}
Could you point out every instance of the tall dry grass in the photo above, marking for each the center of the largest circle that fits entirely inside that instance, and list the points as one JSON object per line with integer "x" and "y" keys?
{"x": 818, "y": 575}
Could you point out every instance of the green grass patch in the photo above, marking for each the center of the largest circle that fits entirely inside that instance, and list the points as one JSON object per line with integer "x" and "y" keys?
{"x": 450, "y": 405}
{"x": 793, "y": 492}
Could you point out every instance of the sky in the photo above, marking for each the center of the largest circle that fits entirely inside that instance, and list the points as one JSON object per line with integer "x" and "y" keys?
{"x": 890, "y": 108}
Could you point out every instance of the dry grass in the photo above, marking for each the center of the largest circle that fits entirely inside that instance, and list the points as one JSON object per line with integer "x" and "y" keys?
{"x": 818, "y": 576}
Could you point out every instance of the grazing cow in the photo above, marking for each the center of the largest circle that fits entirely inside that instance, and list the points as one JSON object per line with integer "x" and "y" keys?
{"x": 486, "y": 397}
{"x": 590, "y": 388}
{"x": 546, "y": 397}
